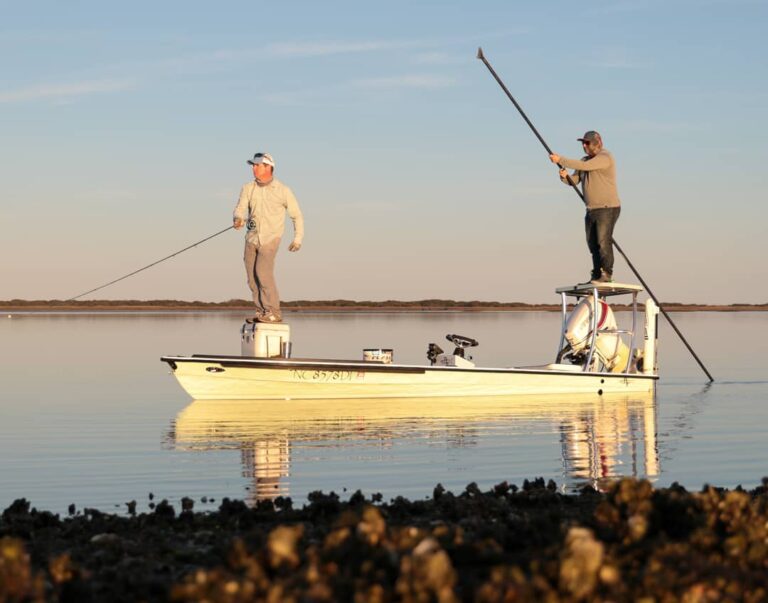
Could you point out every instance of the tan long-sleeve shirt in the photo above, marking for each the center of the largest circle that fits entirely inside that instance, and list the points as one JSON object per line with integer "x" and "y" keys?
{"x": 263, "y": 208}
{"x": 598, "y": 175}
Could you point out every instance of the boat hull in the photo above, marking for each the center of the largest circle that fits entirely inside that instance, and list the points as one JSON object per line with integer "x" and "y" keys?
{"x": 242, "y": 378}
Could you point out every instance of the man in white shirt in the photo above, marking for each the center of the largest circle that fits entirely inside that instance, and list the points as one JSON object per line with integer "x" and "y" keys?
{"x": 262, "y": 207}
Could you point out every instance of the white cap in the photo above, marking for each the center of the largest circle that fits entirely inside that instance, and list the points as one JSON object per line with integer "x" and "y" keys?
{"x": 262, "y": 158}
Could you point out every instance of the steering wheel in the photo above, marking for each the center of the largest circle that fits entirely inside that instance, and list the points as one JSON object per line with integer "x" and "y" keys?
{"x": 462, "y": 342}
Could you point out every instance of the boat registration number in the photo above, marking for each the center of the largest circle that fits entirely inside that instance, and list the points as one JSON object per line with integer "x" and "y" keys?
{"x": 298, "y": 375}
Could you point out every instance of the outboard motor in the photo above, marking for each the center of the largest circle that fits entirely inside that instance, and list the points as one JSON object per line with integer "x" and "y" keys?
{"x": 609, "y": 350}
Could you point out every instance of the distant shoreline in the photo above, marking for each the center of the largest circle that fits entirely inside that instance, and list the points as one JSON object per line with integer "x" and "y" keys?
{"x": 327, "y": 306}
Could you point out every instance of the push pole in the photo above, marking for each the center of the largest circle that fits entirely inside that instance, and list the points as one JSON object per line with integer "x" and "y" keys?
{"x": 481, "y": 56}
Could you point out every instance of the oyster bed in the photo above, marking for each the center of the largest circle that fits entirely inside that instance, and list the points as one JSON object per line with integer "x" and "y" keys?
{"x": 632, "y": 542}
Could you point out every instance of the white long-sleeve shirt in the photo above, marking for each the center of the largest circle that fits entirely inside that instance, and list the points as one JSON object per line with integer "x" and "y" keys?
{"x": 263, "y": 207}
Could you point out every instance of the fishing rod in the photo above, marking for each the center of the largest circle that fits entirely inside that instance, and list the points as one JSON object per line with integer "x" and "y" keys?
{"x": 152, "y": 264}
{"x": 481, "y": 56}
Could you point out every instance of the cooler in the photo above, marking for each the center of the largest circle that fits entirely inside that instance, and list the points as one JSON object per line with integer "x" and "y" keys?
{"x": 265, "y": 340}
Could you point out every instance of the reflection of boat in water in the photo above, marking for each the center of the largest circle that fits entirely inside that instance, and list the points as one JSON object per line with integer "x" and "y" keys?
{"x": 594, "y": 357}
{"x": 601, "y": 437}
{"x": 610, "y": 441}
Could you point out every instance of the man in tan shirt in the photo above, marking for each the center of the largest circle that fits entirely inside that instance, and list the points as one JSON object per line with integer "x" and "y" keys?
{"x": 262, "y": 206}
{"x": 597, "y": 173}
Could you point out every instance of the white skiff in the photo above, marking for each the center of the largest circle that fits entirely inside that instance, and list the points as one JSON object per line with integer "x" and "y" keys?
{"x": 594, "y": 357}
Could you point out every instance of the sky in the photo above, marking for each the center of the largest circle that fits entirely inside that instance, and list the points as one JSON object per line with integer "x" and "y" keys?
{"x": 126, "y": 128}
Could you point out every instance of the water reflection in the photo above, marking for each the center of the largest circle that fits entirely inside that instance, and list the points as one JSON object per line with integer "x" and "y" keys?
{"x": 614, "y": 439}
{"x": 600, "y": 438}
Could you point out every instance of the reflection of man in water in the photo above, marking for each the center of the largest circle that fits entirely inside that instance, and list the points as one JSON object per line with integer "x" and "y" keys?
{"x": 262, "y": 206}
{"x": 267, "y": 461}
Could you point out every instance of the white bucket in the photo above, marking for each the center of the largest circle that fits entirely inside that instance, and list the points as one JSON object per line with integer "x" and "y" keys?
{"x": 378, "y": 355}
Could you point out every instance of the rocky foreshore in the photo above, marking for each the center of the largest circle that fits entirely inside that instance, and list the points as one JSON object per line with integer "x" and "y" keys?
{"x": 631, "y": 543}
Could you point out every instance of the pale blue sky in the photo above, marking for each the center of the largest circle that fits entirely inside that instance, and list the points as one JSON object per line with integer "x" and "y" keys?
{"x": 126, "y": 127}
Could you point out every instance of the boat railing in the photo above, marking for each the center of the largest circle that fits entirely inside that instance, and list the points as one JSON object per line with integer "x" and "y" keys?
{"x": 593, "y": 291}
{"x": 593, "y": 328}
{"x": 630, "y": 353}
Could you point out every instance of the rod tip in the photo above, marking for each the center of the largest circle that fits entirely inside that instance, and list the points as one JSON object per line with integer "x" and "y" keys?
{"x": 480, "y": 54}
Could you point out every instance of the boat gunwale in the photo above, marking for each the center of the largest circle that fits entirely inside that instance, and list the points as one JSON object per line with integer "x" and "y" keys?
{"x": 374, "y": 366}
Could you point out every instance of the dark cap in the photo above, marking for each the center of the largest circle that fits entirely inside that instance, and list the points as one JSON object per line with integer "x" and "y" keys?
{"x": 590, "y": 136}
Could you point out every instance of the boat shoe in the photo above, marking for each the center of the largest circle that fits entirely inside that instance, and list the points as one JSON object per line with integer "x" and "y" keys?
{"x": 605, "y": 277}
{"x": 268, "y": 317}
{"x": 593, "y": 276}
{"x": 255, "y": 317}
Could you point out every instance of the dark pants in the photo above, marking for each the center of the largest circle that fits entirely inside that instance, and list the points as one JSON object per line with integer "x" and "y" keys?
{"x": 598, "y": 225}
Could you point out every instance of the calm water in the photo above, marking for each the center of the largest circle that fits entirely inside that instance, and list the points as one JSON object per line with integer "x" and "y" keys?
{"x": 89, "y": 415}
